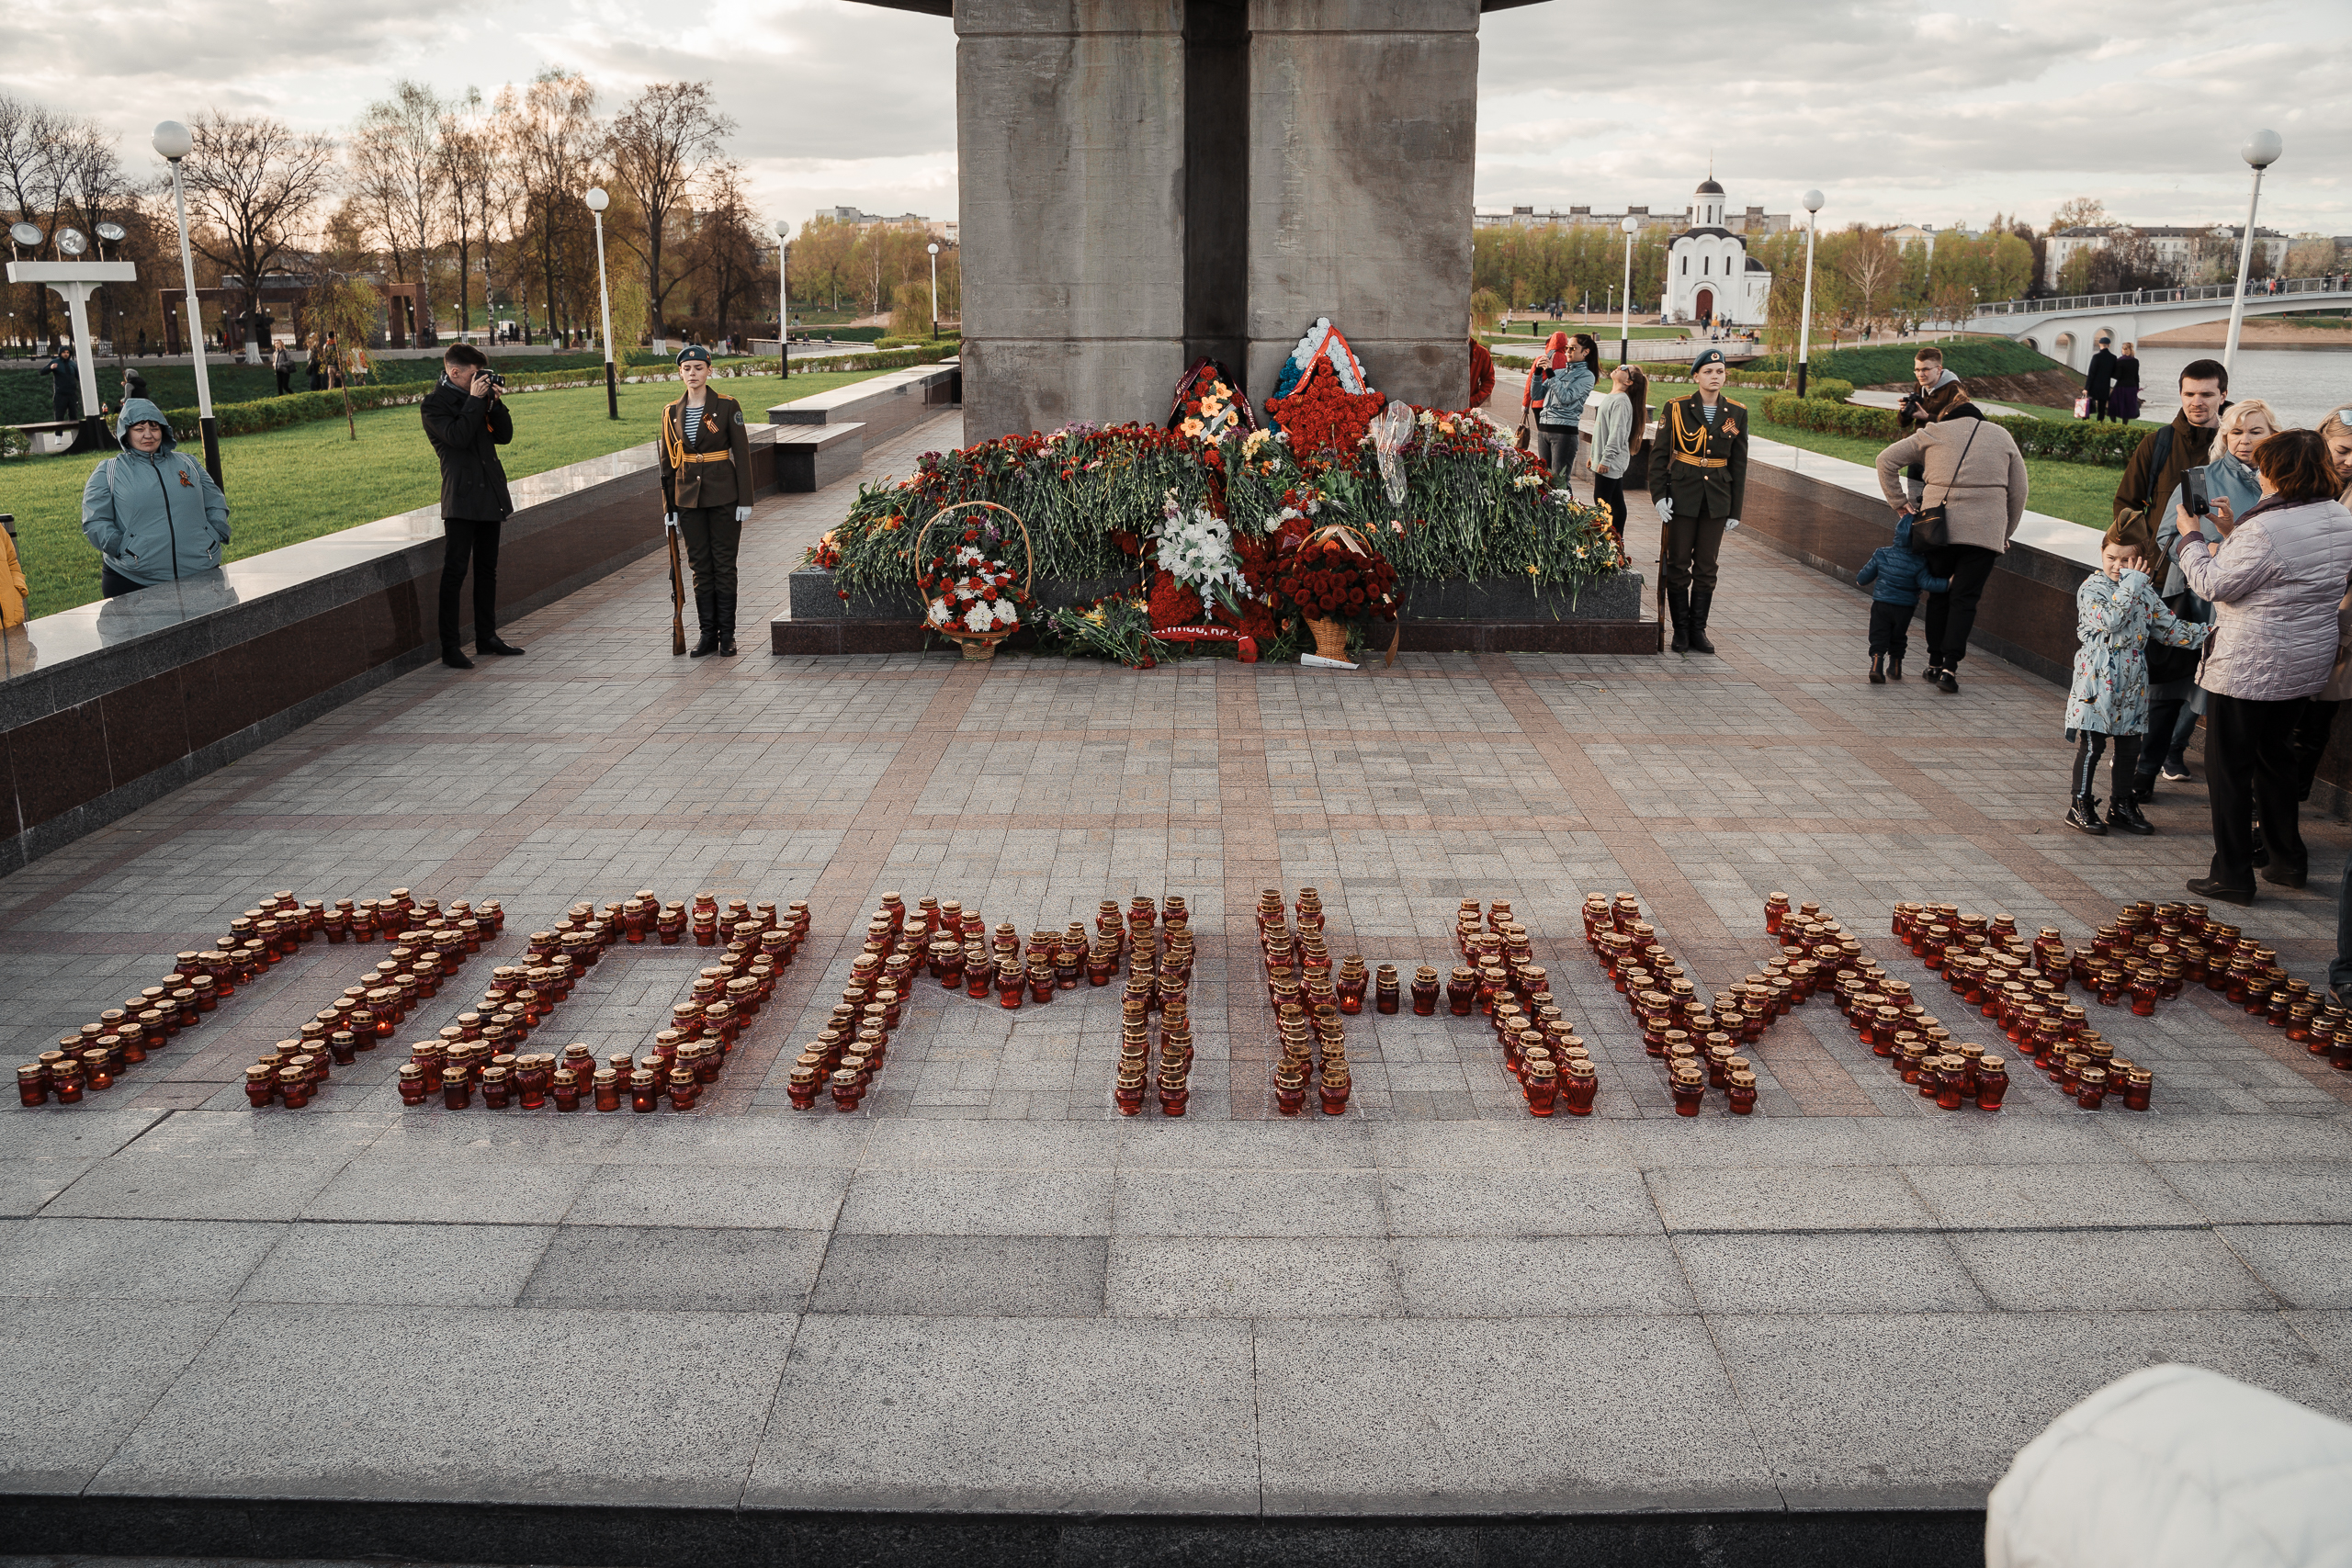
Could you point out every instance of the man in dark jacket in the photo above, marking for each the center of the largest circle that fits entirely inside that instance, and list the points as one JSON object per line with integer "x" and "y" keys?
{"x": 65, "y": 384}
{"x": 467, "y": 420}
{"x": 2099, "y": 381}
{"x": 2165, "y": 455}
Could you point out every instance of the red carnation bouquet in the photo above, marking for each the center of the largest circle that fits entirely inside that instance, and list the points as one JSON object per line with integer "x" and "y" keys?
{"x": 1333, "y": 575}
{"x": 1322, "y": 415}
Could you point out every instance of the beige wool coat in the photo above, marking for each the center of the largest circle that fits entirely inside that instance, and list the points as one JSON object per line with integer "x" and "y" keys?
{"x": 1987, "y": 497}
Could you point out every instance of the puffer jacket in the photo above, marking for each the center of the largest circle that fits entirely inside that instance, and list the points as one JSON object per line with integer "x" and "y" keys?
{"x": 1972, "y": 468}
{"x": 2116, "y": 621}
{"x": 2177, "y": 1467}
{"x": 2274, "y": 585}
{"x": 157, "y": 516}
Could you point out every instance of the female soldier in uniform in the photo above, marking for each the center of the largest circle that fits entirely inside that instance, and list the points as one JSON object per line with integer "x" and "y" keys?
{"x": 1697, "y": 478}
{"x": 706, "y": 484}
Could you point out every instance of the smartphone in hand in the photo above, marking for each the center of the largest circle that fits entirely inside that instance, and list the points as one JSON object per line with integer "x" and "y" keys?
{"x": 2197, "y": 498}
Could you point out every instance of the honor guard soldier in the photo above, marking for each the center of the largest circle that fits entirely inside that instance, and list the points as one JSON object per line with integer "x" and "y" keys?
{"x": 1697, "y": 478}
{"x": 707, "y": 489}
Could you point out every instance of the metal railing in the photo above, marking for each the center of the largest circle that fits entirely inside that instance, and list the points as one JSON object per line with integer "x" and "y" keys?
{"x": 2257, "y": 290}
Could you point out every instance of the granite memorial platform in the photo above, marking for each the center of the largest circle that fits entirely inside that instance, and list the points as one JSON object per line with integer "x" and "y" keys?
{"x": 986, "y": 1318}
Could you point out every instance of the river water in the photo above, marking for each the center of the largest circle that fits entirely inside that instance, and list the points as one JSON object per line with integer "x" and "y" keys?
{"x": 2303, "y": 385}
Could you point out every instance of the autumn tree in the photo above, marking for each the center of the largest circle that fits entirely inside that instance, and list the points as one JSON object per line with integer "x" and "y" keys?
{"x": 661, "y": 148}
{"x": 470, "y": 170}
{"x": 725, "y": 255}
{"x": 2079, "y": 213}
{"x": 1871, "y": 266}
{"x": 552, "y": 129}
{"x": 251, "y": 182}
{"x": 397, "y": 177}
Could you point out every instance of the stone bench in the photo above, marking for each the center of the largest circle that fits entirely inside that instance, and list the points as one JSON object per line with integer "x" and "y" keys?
{"x": 809, "y": 458}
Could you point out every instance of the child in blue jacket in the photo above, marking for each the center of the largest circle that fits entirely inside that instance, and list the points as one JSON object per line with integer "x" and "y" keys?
{"x": 1900, "y": 573}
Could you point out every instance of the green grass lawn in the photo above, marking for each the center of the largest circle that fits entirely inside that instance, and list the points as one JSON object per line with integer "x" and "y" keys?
{"x": 285, "y": 486}
{"x": 2080, "y": 493}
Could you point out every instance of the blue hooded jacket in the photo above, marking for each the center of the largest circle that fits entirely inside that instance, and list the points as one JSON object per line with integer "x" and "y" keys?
{"x": 1899, "y": 571}
{"x": 154, "y": 516}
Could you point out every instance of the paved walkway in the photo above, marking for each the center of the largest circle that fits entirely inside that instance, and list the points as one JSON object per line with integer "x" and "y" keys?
{"x": 986, "y": 1289}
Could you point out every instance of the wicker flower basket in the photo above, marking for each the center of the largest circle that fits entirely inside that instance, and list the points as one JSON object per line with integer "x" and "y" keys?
{"x": 979, "y": 646}
{"x": 1330, "y": 639}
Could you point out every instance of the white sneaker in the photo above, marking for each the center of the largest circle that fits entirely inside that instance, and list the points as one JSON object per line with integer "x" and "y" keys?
{"x": 2171, "y": 778}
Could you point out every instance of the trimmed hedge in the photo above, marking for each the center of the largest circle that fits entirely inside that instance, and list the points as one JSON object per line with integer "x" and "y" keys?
{"x": 1882, "y": 364}
{"x": 305, "y": 408}
{"x": 2105, "y": 445}
{"x": 1828, "y": 386}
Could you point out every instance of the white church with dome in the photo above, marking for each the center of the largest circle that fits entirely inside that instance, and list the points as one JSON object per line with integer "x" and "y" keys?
{"x": 1709, "y": 273}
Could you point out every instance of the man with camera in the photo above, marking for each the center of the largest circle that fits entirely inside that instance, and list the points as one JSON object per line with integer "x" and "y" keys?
{"x": 467, "y": 420}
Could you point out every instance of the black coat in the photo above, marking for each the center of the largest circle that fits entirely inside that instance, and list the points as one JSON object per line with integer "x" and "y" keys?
{"x": 466, "y": 432}
{"x": 2101, "y": 375}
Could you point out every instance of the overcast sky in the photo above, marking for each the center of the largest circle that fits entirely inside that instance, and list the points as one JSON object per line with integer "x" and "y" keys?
{"x": 1902, "y": 110}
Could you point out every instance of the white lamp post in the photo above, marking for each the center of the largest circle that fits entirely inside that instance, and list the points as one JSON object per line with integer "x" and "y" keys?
{"x": 172, "y": 143}
{"x": 934, "y": 290}
{"x": 597, "y": 201}
{"x": 783, "y": 299}
{"x": 2261, "y": 151}
{"x": 1813, "y": 201}
{"x": 1631, "y": 225}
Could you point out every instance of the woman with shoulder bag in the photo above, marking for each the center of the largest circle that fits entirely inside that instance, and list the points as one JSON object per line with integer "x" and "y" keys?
{"x": 1972, "y": 488}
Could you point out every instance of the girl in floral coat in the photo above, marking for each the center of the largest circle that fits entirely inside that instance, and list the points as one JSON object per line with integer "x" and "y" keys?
{"x": 2116, "y": 611}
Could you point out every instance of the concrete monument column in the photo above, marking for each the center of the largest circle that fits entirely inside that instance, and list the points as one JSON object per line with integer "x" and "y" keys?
{"x": 1364, "y": 120}
{"x": 1148, "y": 181}
{"x": 1070, "y": 125}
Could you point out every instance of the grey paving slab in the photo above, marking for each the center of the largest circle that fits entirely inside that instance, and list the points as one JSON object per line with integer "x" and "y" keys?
{"x": 2035, "y": 1196}
{"x": 1852, "y": 1414}
{"x": 2307, "y": 1266}
{"x": 2002, "y": 1139}
{"x": 135, "y": 1186}
{"x": 1564, "y": 1143}
{"x": 2329, "y": 1333}
{"x": 515, "y": 1194}
{"x": 1320, "y": 1144}
{"x": 1102, "y": 1415}
{"x": 673, "y": 1268}
{"x": 70, "y": 1410}
{"x": 399, "y": 1265}
{"x": 494, "y": 1404}
{"x": 1539, "y": 1276}
{"x": 978, "y": 1203}
{"x": 28, "y": 1185}
{"x": 991, "y": 1145}
{"x": 793, "y": 1197}
{"x": 1827, "y": 1271}
{"x": 69, "y": 1133}
{"x": 241, "y": 1134}
{"x": 1252, "y": 1277}
{"x": 1250, "y": 1204}
{"x": 1463, "y": 1203}
{"x": 2208, "y": 1137}
{"x": 2240, "y": 1192}
{"x": 963, "y": 1276}
{"x": 1787, "y": 1198}
{"x": 1427, "y": 1416}
{"x": 132, "y": 1261}
{"x": 2120, "y": 1270}
{"x": 1750, "y": 1142}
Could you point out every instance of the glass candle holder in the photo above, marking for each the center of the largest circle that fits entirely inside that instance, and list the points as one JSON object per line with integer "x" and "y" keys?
{"x": 1387, "y": 992}
{"x": 2092, "y": 1091}
{"x": 1740, "y": 1090}
{"x": 1689, "y": 1087}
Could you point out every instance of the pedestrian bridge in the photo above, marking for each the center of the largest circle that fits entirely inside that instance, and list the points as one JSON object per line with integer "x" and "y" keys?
{"x": 2067, "y": 327}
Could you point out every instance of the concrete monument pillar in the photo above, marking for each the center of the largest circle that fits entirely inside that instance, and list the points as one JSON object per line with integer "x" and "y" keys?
{"x": 1146, "y": 181}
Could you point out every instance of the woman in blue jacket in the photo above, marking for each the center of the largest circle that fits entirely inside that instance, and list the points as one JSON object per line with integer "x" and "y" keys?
{"x": 154, "y": 513}
{"x": 1565, "y": 390}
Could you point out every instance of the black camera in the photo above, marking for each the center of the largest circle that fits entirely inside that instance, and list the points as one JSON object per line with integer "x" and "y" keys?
{"x": 491, "y": 381}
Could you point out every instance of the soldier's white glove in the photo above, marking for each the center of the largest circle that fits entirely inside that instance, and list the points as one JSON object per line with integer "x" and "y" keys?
{"x": 743, "y": 514}
{"x": 1665, "y": 509}
{"x": 1729, "y": 524}
{"x": 669, "y": 521}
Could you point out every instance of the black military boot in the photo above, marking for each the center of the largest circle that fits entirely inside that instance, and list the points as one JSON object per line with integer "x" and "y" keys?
{"x": 726, "y": 625}
{"x": 1702, "y": 601}
{"x": 1677, "y": 605}
{"x": 707, "y": 617}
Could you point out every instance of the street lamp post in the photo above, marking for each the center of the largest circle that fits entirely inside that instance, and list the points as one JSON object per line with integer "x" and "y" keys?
{"x": 2261, "y": 151}
{"x": 1631, "y": 226}
{"x": 934, "y": 291}
{"x": 173, "y": 142}
{"x": 597, "y": 201}
{"x": 1813, "y": 201}
{"x": 783, "y": 299}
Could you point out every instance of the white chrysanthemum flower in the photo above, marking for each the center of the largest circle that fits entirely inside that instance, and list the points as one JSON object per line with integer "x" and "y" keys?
{"x": 939, "y": 612}
{"x": 978, "y": 618}
{"x": 1007, "y": 614}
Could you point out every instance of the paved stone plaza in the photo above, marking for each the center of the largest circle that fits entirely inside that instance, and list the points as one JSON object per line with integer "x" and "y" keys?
{"x": 986, "y": 1290}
